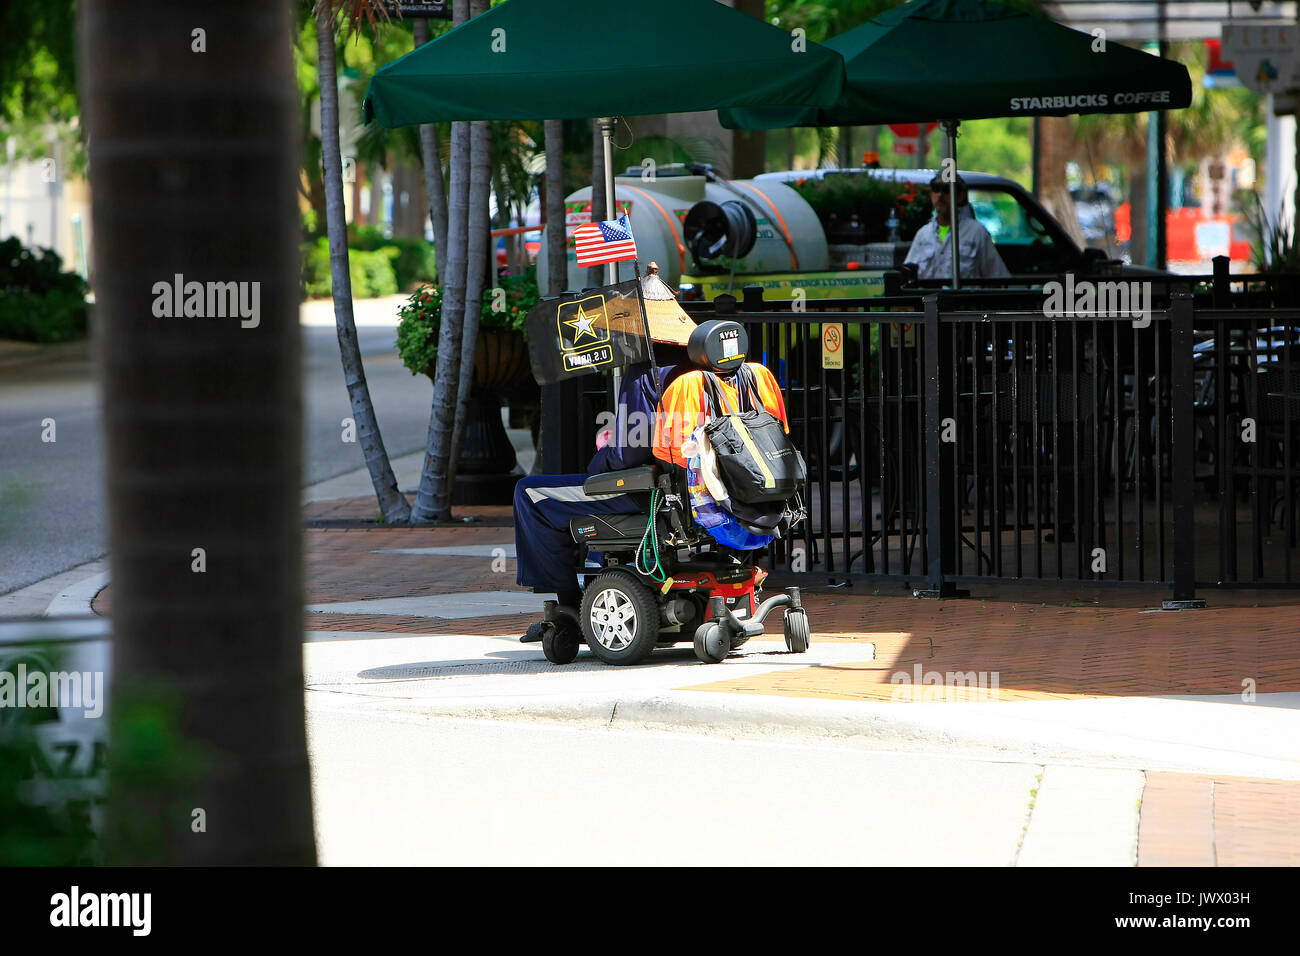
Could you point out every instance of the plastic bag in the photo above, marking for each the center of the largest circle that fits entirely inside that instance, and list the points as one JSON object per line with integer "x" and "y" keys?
{"x": 713, "y": 518}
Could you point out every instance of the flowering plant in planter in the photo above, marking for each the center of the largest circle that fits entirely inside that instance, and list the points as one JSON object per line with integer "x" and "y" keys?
{"x": 420, "y": 319}
{"x": 914, "y": 210}
{"x": 838, "y": 200}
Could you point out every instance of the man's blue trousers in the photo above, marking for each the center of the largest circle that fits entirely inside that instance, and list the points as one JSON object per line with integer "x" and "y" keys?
{"x": 547, "y": 555}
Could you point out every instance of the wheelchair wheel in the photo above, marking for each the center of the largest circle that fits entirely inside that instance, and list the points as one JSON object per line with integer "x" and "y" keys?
{"x": 797, "y": 635}
{"x": 620, "y": 618}
{"x": 560, "y": 643}
{"x": 711, "y": 643}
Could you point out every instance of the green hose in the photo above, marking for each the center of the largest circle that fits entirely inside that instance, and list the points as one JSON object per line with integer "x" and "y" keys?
{"x": 656, "y": 571}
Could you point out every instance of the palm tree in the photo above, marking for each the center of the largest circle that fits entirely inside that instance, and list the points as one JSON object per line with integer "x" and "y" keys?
{"x": 1217, "y": 120}
{"x": 480, "y": 182}
{"x": 1054, "y": 153}
{"x": 431, "y": 157}
{"x": 194, "y": 171}
{"x": 391, "y": 501}
{"x": 433, "y": 501}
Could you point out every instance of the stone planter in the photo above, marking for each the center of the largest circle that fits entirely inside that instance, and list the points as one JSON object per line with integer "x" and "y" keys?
{"x": 486, "y": 466}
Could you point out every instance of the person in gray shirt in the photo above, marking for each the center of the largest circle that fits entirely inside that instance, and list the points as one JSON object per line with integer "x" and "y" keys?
{"x": 931, "y": 250}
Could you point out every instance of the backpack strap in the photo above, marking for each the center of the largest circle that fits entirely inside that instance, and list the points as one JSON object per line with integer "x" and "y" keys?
{"x": 747, "y": 389}
{"x": 718, "y": 403}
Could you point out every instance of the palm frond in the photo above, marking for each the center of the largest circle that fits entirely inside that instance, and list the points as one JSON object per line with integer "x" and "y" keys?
{"x": 356, "y": 12}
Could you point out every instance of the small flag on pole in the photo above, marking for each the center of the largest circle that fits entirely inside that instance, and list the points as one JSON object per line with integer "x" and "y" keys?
{"x": 598, "y": 243}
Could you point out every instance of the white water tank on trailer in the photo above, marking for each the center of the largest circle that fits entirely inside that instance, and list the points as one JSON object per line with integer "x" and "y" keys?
{"x": 788, "y": 235}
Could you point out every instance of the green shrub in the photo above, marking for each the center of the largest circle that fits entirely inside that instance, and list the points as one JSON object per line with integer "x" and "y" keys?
{"x": 420, "y": 320}
{"x": 1276, "y": 245}
{"x": 378, "y": 266}
{"x": 375, "y": 270}
{"x": 39, "y": 302}
{"x": 316, "y": 269}
{"x": 415, "y": 262}
{"x": 371, "y": 272}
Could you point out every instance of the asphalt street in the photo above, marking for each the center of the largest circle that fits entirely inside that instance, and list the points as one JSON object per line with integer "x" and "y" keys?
{"x": 52, "y": 506}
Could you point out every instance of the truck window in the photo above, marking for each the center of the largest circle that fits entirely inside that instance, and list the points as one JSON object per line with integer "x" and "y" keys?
{"x": 1005, "y": 219}
{"x": 1021, "y": 237}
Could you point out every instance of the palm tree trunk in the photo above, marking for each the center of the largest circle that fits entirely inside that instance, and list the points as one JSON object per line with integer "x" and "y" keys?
{"x": 480, "y": 180}
{"x": 556, "y": 252}
{"x": 194, "y": 174}
{"x": 1054, "y": 154}
{"x": 391, "y": 501}
{"x": 432, "y": 156}
{"x": 433, "y": 501}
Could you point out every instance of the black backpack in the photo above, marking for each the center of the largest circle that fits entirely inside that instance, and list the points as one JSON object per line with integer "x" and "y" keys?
{"x": 757, "y": 463}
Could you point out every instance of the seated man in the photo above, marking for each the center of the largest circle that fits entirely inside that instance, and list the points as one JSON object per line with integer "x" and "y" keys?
{"x": 547, "y": 556}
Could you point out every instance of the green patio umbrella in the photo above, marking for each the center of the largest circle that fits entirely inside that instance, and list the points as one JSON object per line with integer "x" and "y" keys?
{"x": 541, "y": 59}
{"x": 952, "y": 60}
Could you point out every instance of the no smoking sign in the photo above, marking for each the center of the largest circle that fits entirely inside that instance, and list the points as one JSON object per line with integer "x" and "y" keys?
{"x": 833, "y": 345}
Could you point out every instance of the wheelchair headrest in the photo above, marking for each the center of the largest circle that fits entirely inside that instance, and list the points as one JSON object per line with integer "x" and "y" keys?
{"x": 719, "y": 345}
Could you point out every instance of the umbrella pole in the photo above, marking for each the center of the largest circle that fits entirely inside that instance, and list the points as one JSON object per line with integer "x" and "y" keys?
{"x": 606, "y": 124}
{"x": 950, "y": 127}
{"x": 607, "y": 136}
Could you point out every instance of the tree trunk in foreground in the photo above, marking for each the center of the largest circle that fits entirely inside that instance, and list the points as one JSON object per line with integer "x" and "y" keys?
{"x": 194, "y": 179}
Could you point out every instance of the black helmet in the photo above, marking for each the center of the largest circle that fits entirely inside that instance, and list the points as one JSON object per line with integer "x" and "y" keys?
{"x": 719, "y": 345}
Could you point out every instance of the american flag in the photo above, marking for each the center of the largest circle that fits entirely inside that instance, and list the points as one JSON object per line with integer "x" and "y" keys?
{"x": 600, "y": 242}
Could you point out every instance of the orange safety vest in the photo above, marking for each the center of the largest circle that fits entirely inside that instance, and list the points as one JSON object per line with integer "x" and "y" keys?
{"x": 685, "y": 406}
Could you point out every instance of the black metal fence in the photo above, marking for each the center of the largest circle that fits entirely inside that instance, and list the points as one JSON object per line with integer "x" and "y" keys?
{"x": 974, "y": 436}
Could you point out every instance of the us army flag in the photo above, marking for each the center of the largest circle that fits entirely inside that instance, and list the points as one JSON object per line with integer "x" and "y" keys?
{"x": 580, "y": 333}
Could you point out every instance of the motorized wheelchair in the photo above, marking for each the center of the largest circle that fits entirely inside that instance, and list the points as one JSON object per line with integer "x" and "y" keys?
{"x": 660, "y": 582}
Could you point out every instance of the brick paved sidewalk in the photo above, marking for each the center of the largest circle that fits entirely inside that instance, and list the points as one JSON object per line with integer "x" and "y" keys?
{"x": 1038, "y": 650}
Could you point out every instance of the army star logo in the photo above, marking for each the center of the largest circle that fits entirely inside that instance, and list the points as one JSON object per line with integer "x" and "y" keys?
{"x": 583, "y": 323}
{"x": 582, "y": 326}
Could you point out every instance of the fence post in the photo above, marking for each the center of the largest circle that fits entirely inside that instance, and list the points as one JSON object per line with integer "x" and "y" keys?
{"x": 1222, "y": 283}
{"x": 1183, "y": 437}
{"x": 941, "y": 559}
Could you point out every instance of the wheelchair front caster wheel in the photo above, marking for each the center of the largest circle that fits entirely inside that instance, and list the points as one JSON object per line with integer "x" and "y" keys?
{"x": 560, "y": 644}
{"x": 711, "y": 643}
{"x": 797, "y": 634}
